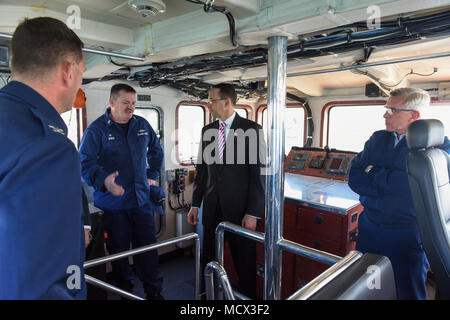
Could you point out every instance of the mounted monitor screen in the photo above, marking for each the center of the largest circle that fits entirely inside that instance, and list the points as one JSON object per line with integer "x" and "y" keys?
{"x": 335, "y": 164}
{"x": 338, "y": 165}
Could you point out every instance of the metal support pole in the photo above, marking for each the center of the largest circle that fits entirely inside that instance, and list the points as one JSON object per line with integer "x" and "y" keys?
{"x": 276, "y": 104}
{"x": 197, "y": 268}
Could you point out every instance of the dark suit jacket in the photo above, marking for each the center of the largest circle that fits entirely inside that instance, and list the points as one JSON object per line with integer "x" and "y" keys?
{"x": 237, "y": 186}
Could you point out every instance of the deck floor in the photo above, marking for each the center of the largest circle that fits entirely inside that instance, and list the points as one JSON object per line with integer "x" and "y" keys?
{"x": 178, "y": 269}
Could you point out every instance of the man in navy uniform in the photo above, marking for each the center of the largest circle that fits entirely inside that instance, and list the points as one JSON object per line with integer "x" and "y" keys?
{"x": 388, "y": 226}
{"x": 41, "y": 216}
{"x": 121, "y": 158}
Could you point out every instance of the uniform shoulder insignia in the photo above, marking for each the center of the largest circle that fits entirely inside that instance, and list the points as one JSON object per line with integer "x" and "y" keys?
{"x": 56, "y": 129}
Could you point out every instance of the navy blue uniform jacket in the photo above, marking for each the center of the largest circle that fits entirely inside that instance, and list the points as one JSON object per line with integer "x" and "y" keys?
{"x": 384, "y": 191}
{"x": 137, "y": 155}
{"x": 41, "y": 216}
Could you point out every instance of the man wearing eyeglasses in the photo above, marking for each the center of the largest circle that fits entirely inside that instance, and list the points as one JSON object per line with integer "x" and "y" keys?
{"x": 387, "y": 226}
{"x": 229, "y": 182}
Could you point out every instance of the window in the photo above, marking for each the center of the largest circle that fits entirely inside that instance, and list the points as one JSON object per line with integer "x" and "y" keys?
{"x": 349, "y": 127}
{"x": 294, "y": 126}
{"x": 71, "y": 120}
{"x": 190, "y": 121}
{"x": 241, "y": 112}
{"x": 151, "y": 114}
{"x": 440, "y": 112}
{"x": 244, "y": 111}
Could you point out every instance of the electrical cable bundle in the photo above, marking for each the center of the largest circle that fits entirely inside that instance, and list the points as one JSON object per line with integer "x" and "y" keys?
{"x": 186, "y": 74}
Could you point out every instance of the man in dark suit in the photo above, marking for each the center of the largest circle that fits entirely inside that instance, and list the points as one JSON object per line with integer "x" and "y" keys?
{"x": 229, "y": 180}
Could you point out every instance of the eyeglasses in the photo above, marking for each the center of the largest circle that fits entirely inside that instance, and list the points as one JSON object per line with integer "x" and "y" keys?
{"x": 392, "y": 111}
{"x": 214, "y": 100}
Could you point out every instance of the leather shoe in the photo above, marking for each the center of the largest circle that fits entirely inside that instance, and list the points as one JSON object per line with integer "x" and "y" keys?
{"x": 154, "y": 296}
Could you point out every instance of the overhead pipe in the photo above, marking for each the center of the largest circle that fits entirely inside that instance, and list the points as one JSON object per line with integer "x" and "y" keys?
{"x": 5, "y": 36}
{"x": 101, "y": 52}
{"x": 276, "y": 104}
{"x": 357, "y": 66}
{"x": 113, "y": 54}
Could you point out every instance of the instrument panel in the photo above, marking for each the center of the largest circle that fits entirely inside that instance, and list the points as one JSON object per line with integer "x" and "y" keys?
{"x": 319, "y": 162}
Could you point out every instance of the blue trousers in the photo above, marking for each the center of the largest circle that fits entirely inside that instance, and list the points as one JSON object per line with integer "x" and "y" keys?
{"x": 402, "y": 245}
{"x": 136, "y": 227}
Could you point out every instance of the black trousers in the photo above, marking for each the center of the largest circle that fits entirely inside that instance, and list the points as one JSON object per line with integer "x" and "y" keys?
{"x": 96, "y": 249}
{"x": 243, "y": 252}
{"x": 135, "y": 226}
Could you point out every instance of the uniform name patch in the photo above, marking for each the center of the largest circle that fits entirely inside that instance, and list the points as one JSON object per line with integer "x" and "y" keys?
{"x": 142, "y": 133}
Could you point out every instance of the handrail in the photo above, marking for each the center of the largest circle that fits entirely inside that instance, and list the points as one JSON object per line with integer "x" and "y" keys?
{"x": 120, "y": 255}
{"x": 339, "y": 264}
{"x": 314, "y": 254}
{"x": 326, "y": 277}
{"x": 255, "y": 235}
{"x": 214, "y": 267}
{"x": 307, "y": 252}
{"x": 108, "y": 287}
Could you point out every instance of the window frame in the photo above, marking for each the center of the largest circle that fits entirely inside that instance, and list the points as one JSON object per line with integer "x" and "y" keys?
{"x": 160, "y": 111}
{"x": 325, "y": 114}
{"x": 436, "y": 102}
{"x": 262, "y": 107}
{"x": 206, "y": 120}
{"x": 81, "y": 122}
{"x": 250, "y": 114}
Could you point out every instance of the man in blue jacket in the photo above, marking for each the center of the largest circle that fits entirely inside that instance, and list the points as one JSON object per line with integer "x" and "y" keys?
{"x": 121, "y": 158}
{"x": 378, "y": 174}
{"x": 41, "y": 216}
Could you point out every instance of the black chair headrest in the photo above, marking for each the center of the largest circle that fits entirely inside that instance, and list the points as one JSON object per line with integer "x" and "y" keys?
{"x": 425, "y": 133}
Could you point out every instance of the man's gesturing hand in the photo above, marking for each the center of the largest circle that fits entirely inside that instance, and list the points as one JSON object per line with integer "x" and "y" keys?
{"x": 113, "y": 187}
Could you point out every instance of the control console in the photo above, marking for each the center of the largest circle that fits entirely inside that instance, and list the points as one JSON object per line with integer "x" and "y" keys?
{"x": 332, "y": 164}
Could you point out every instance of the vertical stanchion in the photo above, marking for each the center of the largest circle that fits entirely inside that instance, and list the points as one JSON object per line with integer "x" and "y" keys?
{"x": 276, "y": 103}
{"x": 197, "y": 269}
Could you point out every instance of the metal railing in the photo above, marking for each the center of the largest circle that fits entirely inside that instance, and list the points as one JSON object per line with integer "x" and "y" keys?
{"x": 338, "y": 264}
{"x": 120, "y": 255}
{"x": 274, "y": 244}
{"x": 214, "y": 267}
{"x": 325, "y": 277}
{"x": 298, "y": 249}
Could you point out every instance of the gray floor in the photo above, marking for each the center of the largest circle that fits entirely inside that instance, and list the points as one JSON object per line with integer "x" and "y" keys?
{"x": 178, "y": 269}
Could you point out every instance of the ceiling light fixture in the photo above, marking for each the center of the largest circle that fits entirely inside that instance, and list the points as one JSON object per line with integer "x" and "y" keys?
{"x": 147, "y": 8}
